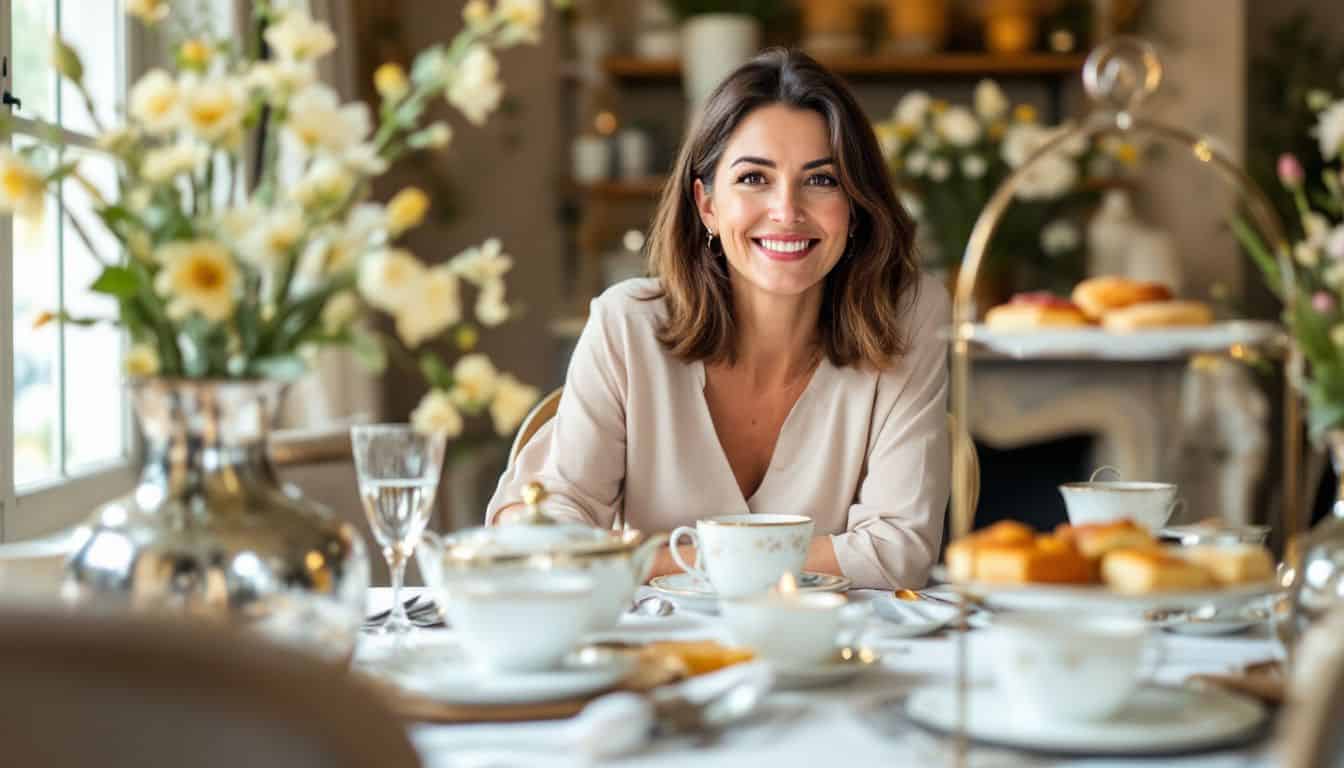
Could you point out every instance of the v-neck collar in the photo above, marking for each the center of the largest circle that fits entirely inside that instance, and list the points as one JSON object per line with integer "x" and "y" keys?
{"x": 701, "y": 381}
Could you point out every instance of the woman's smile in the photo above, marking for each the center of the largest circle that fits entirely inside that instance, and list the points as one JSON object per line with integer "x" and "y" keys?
{"x": 784, "y": 247}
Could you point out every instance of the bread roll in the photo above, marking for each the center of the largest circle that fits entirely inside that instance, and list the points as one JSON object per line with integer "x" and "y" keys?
{"x": 1098, "y": 295}
{"x": 1140, "y": 571}
{"x": 962, "y": 554}
{"x": 1050, "y": 560}
{"x": 1094, "y": 540}
{"x": 1233, "y": 563}
{"x": 1158, "y": 314}
{"x": 1027, "y": 317}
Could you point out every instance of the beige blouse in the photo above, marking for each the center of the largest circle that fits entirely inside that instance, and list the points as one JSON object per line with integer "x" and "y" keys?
{"x": 865, "y": 453}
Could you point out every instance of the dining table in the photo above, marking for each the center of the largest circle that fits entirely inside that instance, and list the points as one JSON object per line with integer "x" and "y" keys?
{"x": 857, "y": 722}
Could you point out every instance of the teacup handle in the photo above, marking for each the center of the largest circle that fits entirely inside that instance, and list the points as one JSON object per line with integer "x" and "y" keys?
{"x": 1176, "y": 507}
{"x": 1158, "y": 657}
{"x": 853, "y": 623}
{"x": 1105, "y": 468}
{"x": 693, "y": 569}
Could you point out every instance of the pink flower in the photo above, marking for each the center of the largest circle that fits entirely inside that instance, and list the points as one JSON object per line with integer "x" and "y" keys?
{"x": 1290, "y": 171}
{"x": 1323, "y": 302}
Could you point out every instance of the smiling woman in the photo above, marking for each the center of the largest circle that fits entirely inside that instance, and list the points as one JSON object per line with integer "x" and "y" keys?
{"x": 784, "y": 359}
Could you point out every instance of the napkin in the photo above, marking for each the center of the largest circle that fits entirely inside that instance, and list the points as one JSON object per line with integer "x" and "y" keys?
{"x": 1260, "y": 680}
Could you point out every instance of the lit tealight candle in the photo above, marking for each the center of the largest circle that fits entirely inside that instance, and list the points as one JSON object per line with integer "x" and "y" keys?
{"x": 787, "y": 586}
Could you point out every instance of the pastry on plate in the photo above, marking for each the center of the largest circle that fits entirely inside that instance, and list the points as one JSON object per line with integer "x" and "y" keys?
{"x": 1152, "y": 569}
{"x": 1233, "y": 563}
{"x": 1049, "y": 560}
{"x": 700, "y": 657}
{"x": 1158, "y": 314}
{"x": 1098, "y": 295}
{"x": 1094, "y": 540}
{"x": 961, "y": 554}
{"x": 1031, "y": 311}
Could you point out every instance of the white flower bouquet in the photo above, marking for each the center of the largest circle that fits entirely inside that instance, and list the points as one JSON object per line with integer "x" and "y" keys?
{"x": 1314, "y": 310}
{"x": 948, "y": 159}
{"x": 222, "y": 275}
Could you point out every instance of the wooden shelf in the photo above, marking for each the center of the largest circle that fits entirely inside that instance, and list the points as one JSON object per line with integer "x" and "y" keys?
{"x": 647, "y": 188}
{"x": 886, "y": 65}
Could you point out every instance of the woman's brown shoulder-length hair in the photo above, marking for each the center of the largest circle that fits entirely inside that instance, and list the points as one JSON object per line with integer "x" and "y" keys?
{"x": 864, "y": 294}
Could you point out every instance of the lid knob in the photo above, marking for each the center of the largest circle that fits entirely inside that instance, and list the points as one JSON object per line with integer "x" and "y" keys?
{"x": 533, "y": 494}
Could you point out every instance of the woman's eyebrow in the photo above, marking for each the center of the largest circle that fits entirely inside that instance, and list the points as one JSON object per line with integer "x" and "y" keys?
{"x": 771, "y": 163}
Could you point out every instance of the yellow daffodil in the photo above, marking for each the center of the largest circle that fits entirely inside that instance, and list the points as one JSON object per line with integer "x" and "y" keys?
{"x": 149, "y": 11}
{"x": 297, "y": 37}
{"x": 195, "y": 54}
{"x": 406, "y": 210}
{"x": 142, "y": 360}
{"x": 434, "y": 305}
{"x": 388, "y": 279}
{"x": 154, "y": 102}
{"x": 436, "y": 413}
{"x": 213, "y": 108}
{"x": 474, "y": 381}
{"x": 390, "y": 80}
{"x": 198, "y": 276}
{"x": 21, "y": 186}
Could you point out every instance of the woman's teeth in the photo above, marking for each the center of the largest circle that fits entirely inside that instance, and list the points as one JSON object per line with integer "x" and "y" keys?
{"x": 786, "y": 246}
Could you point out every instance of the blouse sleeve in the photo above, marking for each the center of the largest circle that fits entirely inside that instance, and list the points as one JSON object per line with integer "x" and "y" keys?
{"x": 579, "y": 456}
{"x": 895, "y": 526}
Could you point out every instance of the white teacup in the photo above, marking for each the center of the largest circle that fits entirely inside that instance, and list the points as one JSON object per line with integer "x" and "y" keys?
{"x": 745, "y": 554}
{"x": 1102, "y": 501}
{"x": 1058, "y": 668}
{"x": 520, "y": 621}
{"x": 797, "y": 630}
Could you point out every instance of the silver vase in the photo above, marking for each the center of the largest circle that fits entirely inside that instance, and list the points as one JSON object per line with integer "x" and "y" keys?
{"x": 1317, "y": 557}
{"x": 211, "y": 532}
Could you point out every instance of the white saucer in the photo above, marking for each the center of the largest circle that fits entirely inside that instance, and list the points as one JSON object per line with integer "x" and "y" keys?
{"x": 583, "y": 673}
{"x": 1155, "y": 721}
{"x": 837, "y": 670}
{"x": 903, "y": 618}
{"x": 689, "y": 591}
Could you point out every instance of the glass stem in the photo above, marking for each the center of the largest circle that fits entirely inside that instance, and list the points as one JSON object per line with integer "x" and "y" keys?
{"x": 396, "y": 563}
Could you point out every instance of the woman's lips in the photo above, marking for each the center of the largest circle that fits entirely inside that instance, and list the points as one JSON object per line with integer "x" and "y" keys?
{"x": 784, "y": 248}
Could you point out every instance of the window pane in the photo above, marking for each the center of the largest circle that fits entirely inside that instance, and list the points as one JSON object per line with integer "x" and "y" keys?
{"x": 93, "y": 383}
{"x": 94, "y": 31}
{"x": 33, "y": 25}
{"x": 36, "y": 351}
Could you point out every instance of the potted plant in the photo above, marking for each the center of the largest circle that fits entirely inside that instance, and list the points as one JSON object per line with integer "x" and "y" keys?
{"x": 948, "y": 159}
{"x": 226, "y": 284}
{"x": 717, "y": 36}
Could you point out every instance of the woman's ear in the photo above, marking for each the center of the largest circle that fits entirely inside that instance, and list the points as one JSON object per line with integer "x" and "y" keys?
{"x": 704, "y": 203}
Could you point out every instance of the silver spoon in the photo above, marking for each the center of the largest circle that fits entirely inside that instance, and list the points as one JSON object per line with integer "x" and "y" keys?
{"x": 653, "y": 605}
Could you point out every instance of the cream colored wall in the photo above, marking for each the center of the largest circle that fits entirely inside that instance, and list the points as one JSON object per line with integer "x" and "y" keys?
{"x": 1203, "y": 47}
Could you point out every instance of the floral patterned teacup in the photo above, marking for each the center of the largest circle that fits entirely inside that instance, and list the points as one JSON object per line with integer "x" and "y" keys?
{"x": 744, "y": 554}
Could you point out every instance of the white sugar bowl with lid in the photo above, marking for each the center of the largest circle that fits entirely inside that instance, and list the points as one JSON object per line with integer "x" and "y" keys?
{"x": 617, "y": 561}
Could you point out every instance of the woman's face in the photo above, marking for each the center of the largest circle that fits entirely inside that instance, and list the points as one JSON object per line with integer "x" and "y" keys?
{"x": 777, "y": 203}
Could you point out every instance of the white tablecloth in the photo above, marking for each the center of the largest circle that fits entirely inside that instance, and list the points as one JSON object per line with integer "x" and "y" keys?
{"x": 823, "y": 728}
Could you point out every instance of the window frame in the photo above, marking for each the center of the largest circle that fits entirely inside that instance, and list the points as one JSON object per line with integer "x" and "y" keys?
{"x": 41, "y": 508}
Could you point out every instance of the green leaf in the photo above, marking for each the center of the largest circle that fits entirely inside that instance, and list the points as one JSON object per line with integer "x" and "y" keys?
{"x": 283, "y": 367}
{"x": 117, "y": 281}
{"x": 436, "y": 373}
{"x": 368, "y": 350}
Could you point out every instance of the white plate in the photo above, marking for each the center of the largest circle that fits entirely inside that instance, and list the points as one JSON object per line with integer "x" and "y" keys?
{"x": 688, "y": 591}
{"x": 1155, "y": 721}
{"x": 837, "y": 670}
{"x": 1095, "y": 597}
{"x": 1152, "y": 344}
{"x": 904, "y": 618}
{"x": 582, "y": 673}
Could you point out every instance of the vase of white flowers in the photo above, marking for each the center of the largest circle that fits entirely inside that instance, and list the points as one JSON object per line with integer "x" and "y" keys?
{"x": 227, "y": 283}
{"x": 948, "y": 159}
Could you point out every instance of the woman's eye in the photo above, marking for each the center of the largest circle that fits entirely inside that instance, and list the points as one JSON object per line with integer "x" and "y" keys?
{"x": 823, "y": 180}
{"x": 751, "y": 177}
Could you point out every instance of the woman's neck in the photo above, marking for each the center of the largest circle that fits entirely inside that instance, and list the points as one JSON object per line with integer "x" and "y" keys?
{"x": 776, "y": 335}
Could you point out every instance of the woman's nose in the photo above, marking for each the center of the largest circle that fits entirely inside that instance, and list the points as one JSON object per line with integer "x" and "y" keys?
{"x": 784, "y": 207}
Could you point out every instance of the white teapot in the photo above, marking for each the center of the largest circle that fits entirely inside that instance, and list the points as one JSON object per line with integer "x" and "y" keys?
{"x": 617, "y": 561}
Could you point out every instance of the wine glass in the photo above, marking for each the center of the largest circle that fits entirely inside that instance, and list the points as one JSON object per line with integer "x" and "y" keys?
{"x": 398, "y": 469}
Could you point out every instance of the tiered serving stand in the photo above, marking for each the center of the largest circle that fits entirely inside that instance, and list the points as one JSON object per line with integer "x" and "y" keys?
{"x": 1117, "y": 76}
